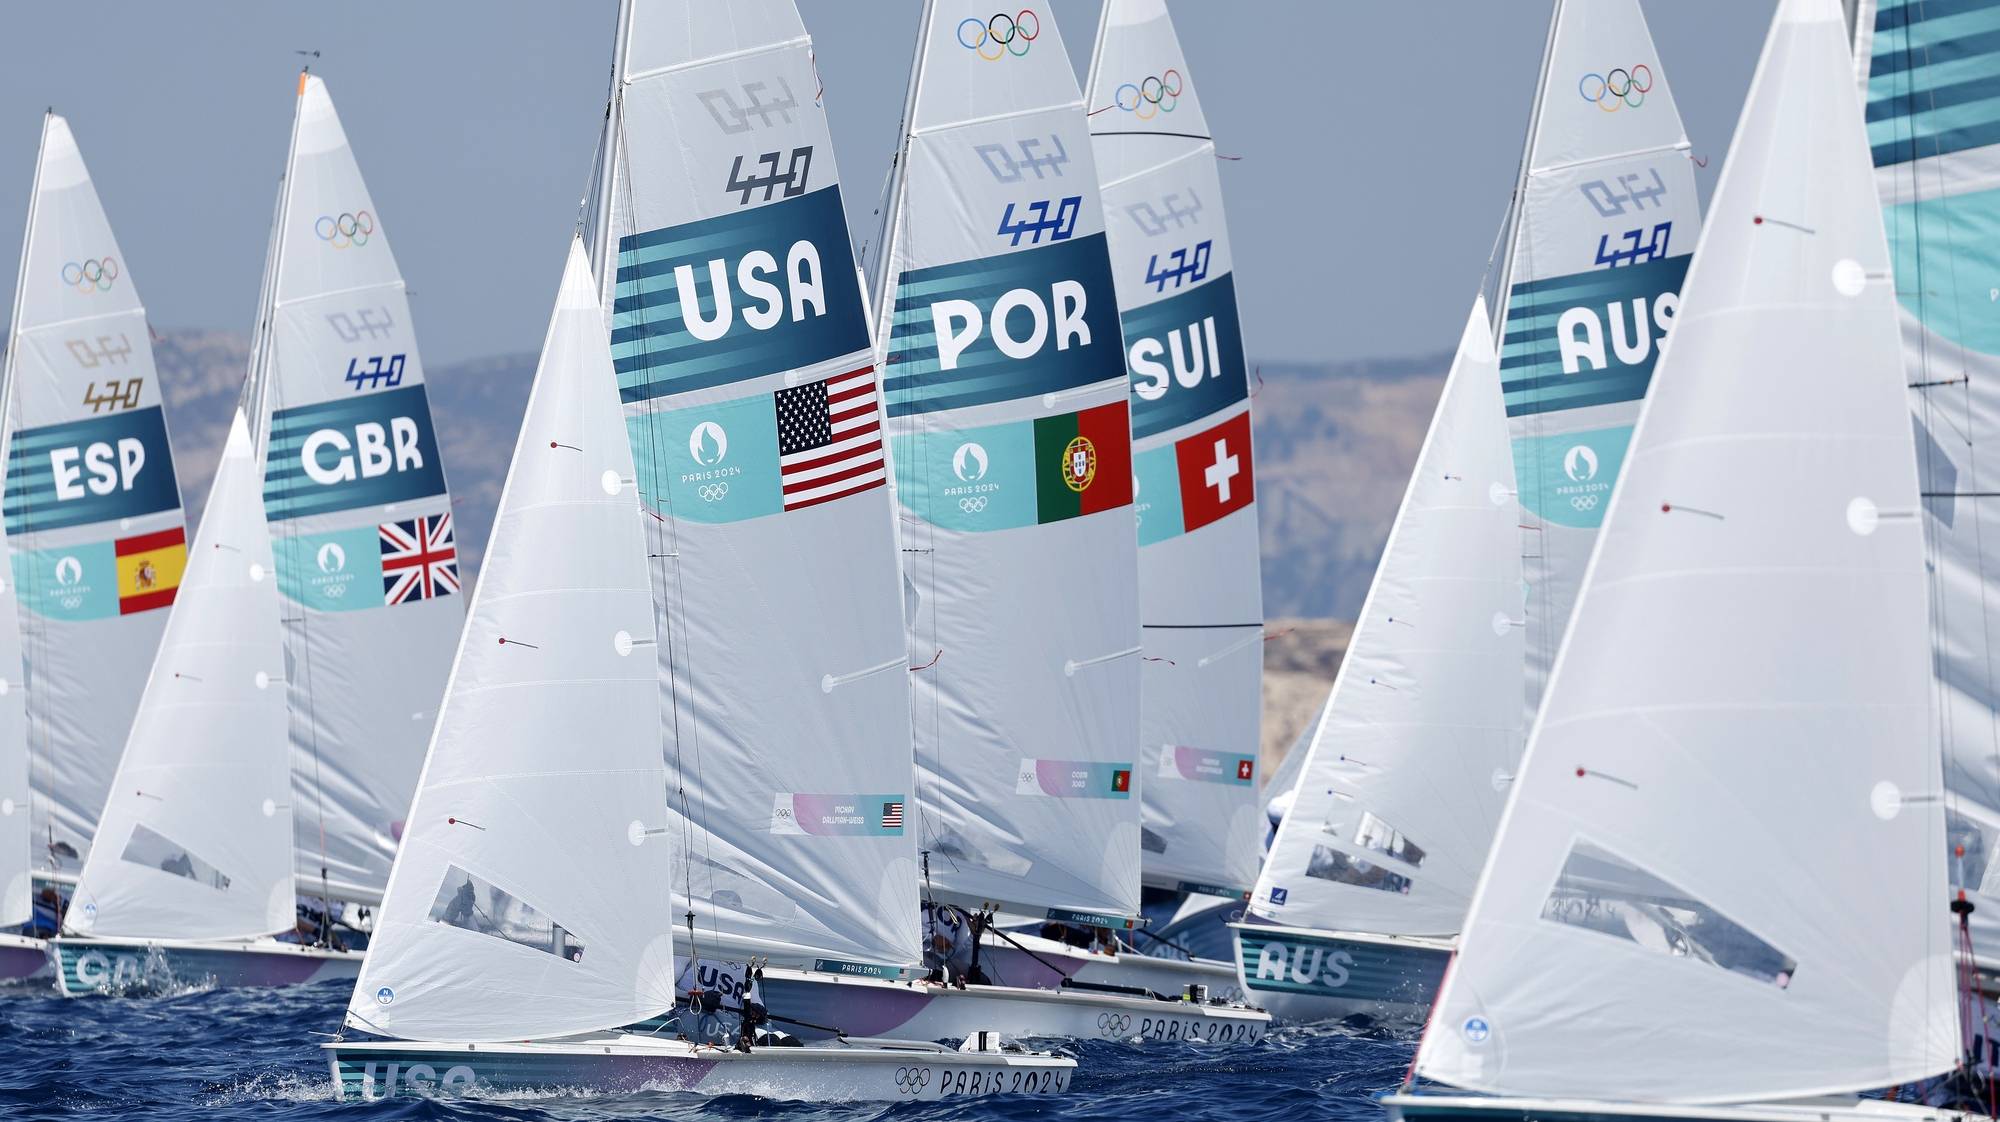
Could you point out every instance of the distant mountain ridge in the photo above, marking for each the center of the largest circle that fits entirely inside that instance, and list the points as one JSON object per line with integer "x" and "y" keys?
{"x": 1334, "y": 443}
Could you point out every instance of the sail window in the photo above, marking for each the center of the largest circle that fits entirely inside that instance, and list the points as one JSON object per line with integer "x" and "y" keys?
{"x": 1602, "y": 892}
{"x": 467, "y": 902}
{"x": 1334, "y": 865}
{"x": 155, "y": 850}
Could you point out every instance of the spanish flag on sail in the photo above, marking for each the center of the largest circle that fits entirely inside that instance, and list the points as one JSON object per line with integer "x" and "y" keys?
{"x": 149, "y": 570}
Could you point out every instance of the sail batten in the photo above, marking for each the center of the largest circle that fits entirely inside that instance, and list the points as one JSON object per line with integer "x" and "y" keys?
{"x": 1201, "y": 603}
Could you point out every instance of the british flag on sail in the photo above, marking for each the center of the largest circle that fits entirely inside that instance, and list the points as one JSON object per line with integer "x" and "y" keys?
{"x": 829, "y": 439}
{"x": 419, "y": 559}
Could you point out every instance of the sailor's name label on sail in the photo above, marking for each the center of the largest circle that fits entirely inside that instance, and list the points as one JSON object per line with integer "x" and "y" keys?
{"x": 741, "y": 295}
{"x": 1074, "y": 779}
{"x": 1194, "y": 481}
{"x": 837, "y": 815}
{"x": 1180, "y": 762}
{"x": 1588, "y": 338}
{"x": 1024, "y": 473}
{"x": 350, "y": 452}
{"x": 1019, "y": 325}
{"x": 1184, "y": 356}
{"x": 1566, "y": 478}
{"x": 98, "y": 469}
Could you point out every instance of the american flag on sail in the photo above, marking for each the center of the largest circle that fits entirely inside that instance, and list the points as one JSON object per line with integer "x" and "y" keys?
{"x": 829, "y": 439}
{"x": 892, "y": 816}
{"x": 419, "y": 559}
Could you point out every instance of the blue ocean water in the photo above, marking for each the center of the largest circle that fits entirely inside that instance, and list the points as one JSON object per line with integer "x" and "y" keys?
{"x": 237, "y": 1055}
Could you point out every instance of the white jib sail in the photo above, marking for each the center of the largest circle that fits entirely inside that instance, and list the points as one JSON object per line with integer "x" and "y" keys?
{"x": 16, "y": 879}
{"x": 1605, "y": 216}
{"x": 525, "y": 902}
{"x": 739, "y": 333}
{"x": 197, "y": 830}
{"x": 1935, "y": 137}
{"x": 361, "y": 521}
{"x": 1728, "y": 814}
{"x": 1413, "y": 758}
{"x": 1200, "y": 589}
{"x": 93, "y": 508}
{"x": 1005, "y": 385}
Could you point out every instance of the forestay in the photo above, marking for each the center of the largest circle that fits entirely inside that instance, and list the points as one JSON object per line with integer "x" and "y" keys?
{"x": 361, "y": 522}
{"x": 197, "y": 829}
{"x": 1200, "y": 591}
{"x": 740, "y": 339}
{"x": 1596, "y": 247}
{"x": 1413, "y": 757}
{"x": 1935, "y": 137}
{"x": 1005, "y": 386}
{"x": 519, "y": 907}
{"x": 1747, "y": 653}
{"x": 93, "y": 507}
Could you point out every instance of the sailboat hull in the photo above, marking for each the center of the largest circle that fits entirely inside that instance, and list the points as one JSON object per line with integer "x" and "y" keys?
{"x": 115, "y": 966}
{"x": 1303, "y": 976}
{"x": 1477, "y": 1108}
{"x": 921, "y": 1011}
{"x": 1039, "y": 963}
{"x": 22, "y": 957}
{"x": 860, "y": 1070}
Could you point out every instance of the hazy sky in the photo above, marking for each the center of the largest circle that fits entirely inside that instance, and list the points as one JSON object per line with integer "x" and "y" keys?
{"x": 1378, "y": 142}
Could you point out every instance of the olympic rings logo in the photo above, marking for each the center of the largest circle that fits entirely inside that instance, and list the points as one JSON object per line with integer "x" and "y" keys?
{"x": 712, "y": 492}
{"x": 1007, "y": 35}
{"x": 346, "y": 229}
{"x": 1584, "y": 502}
{"x": 1115, "y": 1023}
{"x": 1152, "y": 96}
{"x": 973, "y": 505}
{"x": 1621, "y": 87}
{"x": 96, "y": 275}
{"x": 911, "y": 1080}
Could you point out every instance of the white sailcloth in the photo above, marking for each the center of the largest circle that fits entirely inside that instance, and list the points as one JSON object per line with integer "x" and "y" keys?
{"x": 361, "y": 521}
{"x": 739, "y": 334}
{"x": 1605, "y": 216}
{"x": 1005, "y": 386}
{"x": 16, "y": 865}
{"x": 1747, "y": 657}
{"x": 1200, "y": 589}
{"x": 197, "y": 830}
{"x": 93, "y": 507}
{"x": 1935, "y": 138}
{"x": 519, "y": 905}
{"x": 1411, "y": 763}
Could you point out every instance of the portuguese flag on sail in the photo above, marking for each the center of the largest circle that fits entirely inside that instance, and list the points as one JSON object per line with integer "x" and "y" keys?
{"x": 1083, "y": 462}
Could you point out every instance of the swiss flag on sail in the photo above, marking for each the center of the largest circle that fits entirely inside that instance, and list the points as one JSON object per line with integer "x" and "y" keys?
{"x": 1215, "y": 471}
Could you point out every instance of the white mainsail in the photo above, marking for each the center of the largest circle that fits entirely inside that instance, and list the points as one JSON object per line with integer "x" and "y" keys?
{"x": 1200, "y": 590}
{"x": 16, "y": 865}
{"x": 519, "y": 906}
{"x": 1935, "y": 137}
{"x": 361, "y": 521}
{"x": 739, "y": 333}
{"x": 1410, "y": 765}
{"x": 93, "y": 509}
{"x": 197, "y": 830}
{"x": 1604, "y": 217}
{"x": 1748, "y": 654}
{"x": 1004, "y": 378}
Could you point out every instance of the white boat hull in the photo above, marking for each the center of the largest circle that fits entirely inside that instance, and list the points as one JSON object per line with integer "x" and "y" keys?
{"x": 1480, "y": 1108}
{"x": 1304, "y": 976}
{"x": 123, "y": 966}
{"x": 1038, "y": 963}
{"x": 810, "y": 1004}
{"x": 859, "y": 1070}
{"x": 22, "y": 957}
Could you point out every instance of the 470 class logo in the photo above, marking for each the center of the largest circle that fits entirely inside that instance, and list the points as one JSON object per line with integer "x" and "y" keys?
{"x": 1000, "y": 34}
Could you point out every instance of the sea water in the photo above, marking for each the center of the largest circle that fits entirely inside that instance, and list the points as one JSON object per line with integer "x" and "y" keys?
{"x": 229, "y": 1055}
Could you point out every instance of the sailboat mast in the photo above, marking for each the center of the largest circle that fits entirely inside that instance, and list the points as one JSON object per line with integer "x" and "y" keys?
{"x": 1516, "y": 207}
{"x": 262, "y": 345}
{"x": 21, "y": 285}
{"x": 888, "y": 236}
{"x": 599, "y": 241}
